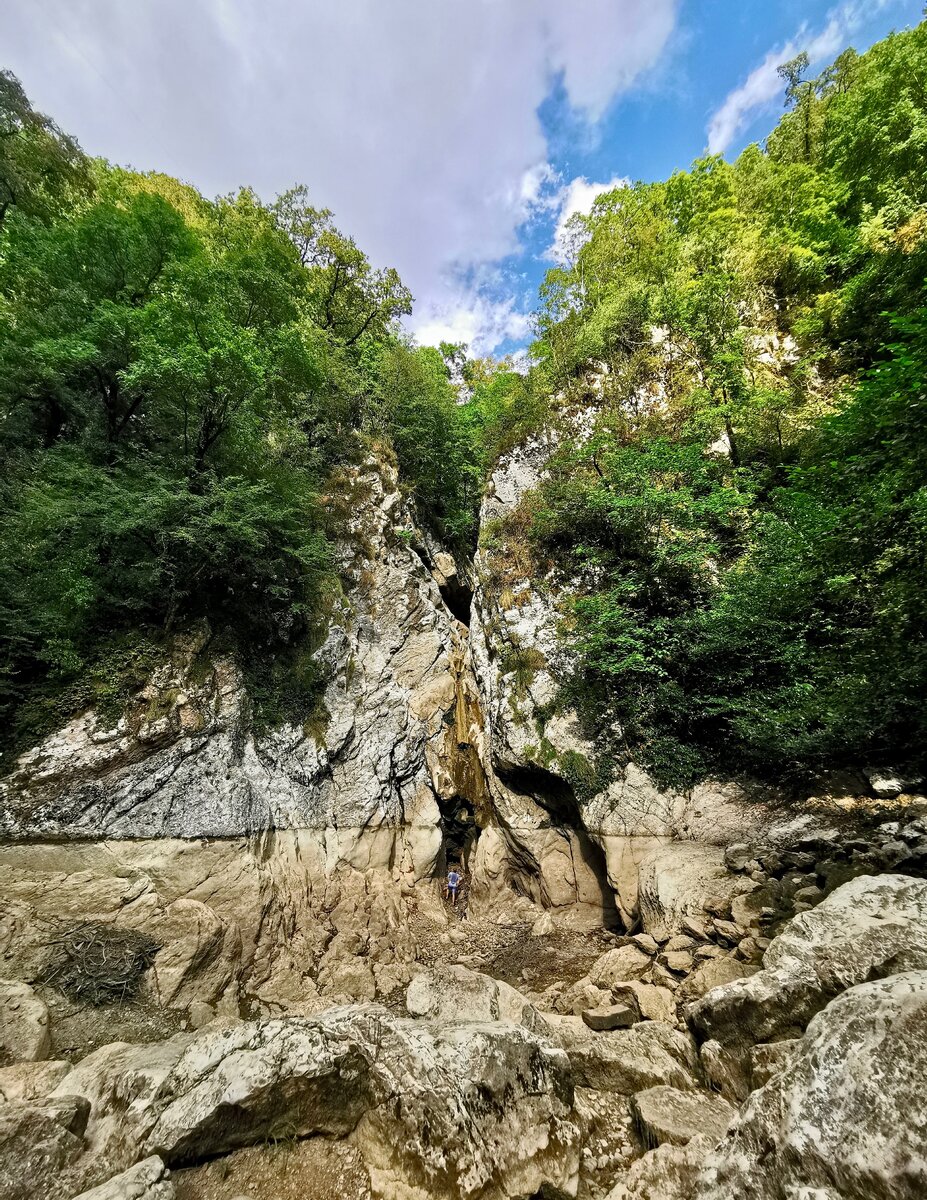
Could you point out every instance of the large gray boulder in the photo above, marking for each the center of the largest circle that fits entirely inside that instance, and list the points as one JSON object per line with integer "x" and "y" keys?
{"x": 628, "y": 1060}
{"x": 469, "y": 1110}
{"x": 849, "y": 1114}
{"x": 455, "y": 993}
{"x": 871, "y": 927}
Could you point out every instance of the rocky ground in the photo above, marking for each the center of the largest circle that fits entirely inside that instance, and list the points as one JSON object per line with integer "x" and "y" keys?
{"x": 772, "y": 1046}
{"x": 310, "y": 1169}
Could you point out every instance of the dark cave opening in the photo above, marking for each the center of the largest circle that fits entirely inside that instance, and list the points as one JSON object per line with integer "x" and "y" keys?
{"x": 455, "y": 590}
{"x": 458, "y": 598}
{"x": 460, "y": 829}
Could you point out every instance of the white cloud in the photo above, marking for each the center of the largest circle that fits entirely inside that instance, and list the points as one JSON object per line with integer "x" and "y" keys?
{"x": 415, "y": 120}
{"x": 578, "y": 196}
{"x": 763, "y": 85}
{"x": 473, "y": 318}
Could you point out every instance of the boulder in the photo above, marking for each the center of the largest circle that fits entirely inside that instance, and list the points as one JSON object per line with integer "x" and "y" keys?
{"x": 610, "y": 1143}
{"x": 714, "y": 972}
{"x": 435, "y": 1109}
{"x": 666, "y": 1114}
{"x": 579, "y": 996}
{"x": 677, "y": 961}
{"x": 628, "y": 1060}
{"x": 31, "y": 1080}
{"x": 618, "y": 966}
{"x": 668, "y": 1173}
{"x": 654, "y": 1003}
{"x": 456, "y": 993}
{"x": 849, "y": 1116}
{"x": 24, "y": 1031}
{"x": 675, "y": 882}
{"x": 886, "y": 784}
{"x": 614, "y": 1016}
{"x": 871, "y": 927}
{"x": 737, "y": 856}
{"x": 147, "y": 1180}
{"x": 37, "y": 1143}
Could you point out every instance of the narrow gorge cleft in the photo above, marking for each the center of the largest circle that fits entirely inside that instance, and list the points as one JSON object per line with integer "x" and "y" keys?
{"x": 460, "y": 831}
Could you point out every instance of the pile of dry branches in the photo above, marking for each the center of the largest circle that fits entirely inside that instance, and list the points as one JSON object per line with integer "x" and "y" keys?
{"x": 98, "y": 964}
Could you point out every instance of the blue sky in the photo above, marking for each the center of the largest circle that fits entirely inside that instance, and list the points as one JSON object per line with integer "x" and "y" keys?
{"x": 663, "y": 122}
{"x": 451, "y": 138}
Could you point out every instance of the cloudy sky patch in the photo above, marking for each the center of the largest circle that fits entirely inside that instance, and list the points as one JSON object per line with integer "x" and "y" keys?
{"x": 452, "y": 138}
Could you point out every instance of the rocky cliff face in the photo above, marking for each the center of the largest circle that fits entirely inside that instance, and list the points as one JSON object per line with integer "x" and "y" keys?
{"x": 265, "y": 863}
{"x": 270, "y": 903}
{"x": 185, "y": 761}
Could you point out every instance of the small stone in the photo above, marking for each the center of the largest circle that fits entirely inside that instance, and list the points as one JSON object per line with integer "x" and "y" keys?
{"x": 679, "y": 942}
{"x": 543, "y": 926}
{"x": 717, "y": 906}
{"x": 801, "y": 860}
{"x": 200, "y": 1014}
{"x": 661, "y": 977}
{"x": 677, "y": 961}
{"x": 727, "y": 930}
{"x": 703, "y": 953}
{"x": 615, "y": 1016}
{"x": 811, "y": 893}
{"x": 695, "y": 927}
{"x": 737, "y": 856}
{"x": 748, "y": 949}
{"x": 649, "y": 944}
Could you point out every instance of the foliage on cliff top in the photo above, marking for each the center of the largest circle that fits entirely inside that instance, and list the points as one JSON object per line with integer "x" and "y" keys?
{"x": 749, "y": 512}
{"x": 178, "y": 379}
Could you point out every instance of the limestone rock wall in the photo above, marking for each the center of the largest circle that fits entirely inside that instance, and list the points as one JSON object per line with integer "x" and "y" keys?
{"x": 184, "y": 759}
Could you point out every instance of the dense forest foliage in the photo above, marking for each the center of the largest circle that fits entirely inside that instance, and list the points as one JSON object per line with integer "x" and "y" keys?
{"x": 179, "y": 378}
{"x": 740, "y": 536}
{"x": 750, "y": 511}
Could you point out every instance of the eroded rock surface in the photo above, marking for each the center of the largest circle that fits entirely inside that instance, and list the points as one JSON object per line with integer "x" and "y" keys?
{"x": 186, "y": 762}
{"x": 848, "y": 1116}
{"x": 24, "y": 1030}
{"x": 871, "y": 927}
{"x": 147, "y": 1180}
{"x": 436, "y": 1109}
